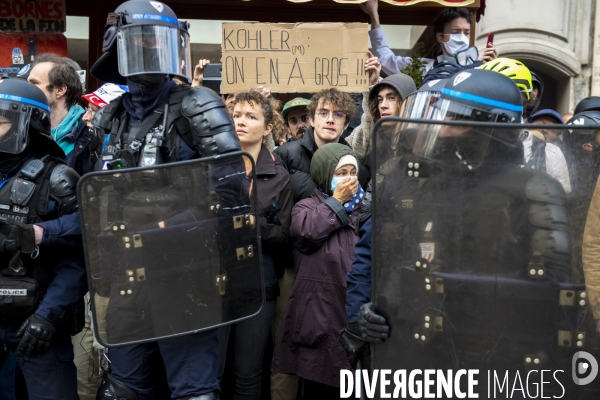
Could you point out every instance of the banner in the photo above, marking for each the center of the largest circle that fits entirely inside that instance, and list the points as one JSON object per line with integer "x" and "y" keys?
{"x": 289, "y": 58}
{"x": 44, "y": 16}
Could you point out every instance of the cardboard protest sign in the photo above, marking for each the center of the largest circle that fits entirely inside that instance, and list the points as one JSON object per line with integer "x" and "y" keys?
{"x": 288, "y": 58}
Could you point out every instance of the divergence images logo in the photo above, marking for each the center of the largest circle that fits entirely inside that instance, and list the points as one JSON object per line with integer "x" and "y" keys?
{"x": 584, "y": 364}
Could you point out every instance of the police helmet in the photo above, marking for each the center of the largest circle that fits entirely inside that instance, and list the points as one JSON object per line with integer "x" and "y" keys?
{"x": 576, "y": 137}
{"x": 481, "y": 95}
{"x": 591, "y": 103}
{"x": 472, "y": 95}
{"x": 533, "y": 104}
{"x": 22, "y": 107}
{"x": 144, "y": 37}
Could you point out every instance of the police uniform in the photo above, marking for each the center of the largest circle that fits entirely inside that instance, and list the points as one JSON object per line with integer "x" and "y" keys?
{"x": 41, "y": 289}
{"x": 158, "y": 123}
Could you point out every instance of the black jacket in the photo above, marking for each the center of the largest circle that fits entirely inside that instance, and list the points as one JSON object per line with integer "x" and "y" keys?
{"x": 274, "y": 212}
{"x": 296, "y": 157}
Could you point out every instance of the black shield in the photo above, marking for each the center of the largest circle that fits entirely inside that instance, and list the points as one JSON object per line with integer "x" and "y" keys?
{"x": 477, "y": 252}
{"x": 171, "y": 249}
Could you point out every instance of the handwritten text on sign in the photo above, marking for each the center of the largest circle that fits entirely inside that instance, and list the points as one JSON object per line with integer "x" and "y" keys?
{"x": 289, "y": 58}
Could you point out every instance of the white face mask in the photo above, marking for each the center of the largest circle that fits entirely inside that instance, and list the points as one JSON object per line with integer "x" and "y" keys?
{"x": 337, "y": 179}
{"x": 457, "y": 42}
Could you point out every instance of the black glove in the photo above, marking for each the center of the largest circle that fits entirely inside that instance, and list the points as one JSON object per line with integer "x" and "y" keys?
{"x": 373, "y": 327}
{"x": 15, "y": 236}
{"x": 352, "y": 342}
{"x": 37, "y": 333}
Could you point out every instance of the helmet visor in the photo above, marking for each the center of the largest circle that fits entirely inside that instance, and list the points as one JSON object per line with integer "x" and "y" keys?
{"x": 14, "y": 127}
{"x": 154, "y": 49}
{"x": 419, "y": 105}
{"x": 462, "y": 146}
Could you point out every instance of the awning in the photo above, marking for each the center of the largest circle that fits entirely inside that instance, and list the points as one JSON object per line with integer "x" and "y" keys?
{"x": 448, "y": 3}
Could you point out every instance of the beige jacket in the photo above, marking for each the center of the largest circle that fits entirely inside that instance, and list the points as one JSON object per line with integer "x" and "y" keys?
{"x": 360, "y": 139}
{"x": 591, "y": 253}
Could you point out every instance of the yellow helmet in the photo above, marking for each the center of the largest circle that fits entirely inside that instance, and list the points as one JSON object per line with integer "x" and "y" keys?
{"x": 515, "y": 70}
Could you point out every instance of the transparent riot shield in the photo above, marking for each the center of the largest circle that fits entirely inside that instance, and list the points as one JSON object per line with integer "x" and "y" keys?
{"x": 172, "y": 249}
{"x": 477, "y": 243}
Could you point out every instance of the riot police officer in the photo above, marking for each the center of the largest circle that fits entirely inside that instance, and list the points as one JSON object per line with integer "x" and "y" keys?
{"x": 39, "y": 285}
{"x": 484, "y": 231}
{"x": 159, "y": 122}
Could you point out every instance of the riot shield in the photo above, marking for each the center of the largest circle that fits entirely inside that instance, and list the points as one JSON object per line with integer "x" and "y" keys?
{"x": 476, "y": 258}
{"x": 171, "y": 249}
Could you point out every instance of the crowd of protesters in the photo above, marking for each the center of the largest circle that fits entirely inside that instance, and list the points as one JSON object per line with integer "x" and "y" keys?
{"x": 314, "y": 184}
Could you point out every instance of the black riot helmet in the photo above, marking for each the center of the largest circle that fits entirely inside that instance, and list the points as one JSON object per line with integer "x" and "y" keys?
{"x": 144, "y": 38}
{"x": 24, "y": 111}
{"x": 584, "y": 138}
{"x": 591, "y": 103}
{"x": 474, "y": 95}
{"x": 533, "y": 104}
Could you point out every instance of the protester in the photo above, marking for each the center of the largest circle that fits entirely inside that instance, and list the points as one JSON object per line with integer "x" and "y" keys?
{"x": 94, "y": 102}
{"x": 540, "y": 154}
{"x": 322, "y": 233}
{"x": 330, "y": 110}
{"x": 548, "y": 117}
{"x": 254, "y": 121}
{"x": 62, "y": 86}
{"x": 452, "y": 28}
{"x": 296, "y": 117}
{"x": 537, "y": 91}
{"x": 198, "y": 77}
{"x": 382, "y": 101}
{"x": 37, "y": 326}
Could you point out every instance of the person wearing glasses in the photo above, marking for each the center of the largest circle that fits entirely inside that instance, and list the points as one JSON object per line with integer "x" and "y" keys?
{"x": 329, "y": 114}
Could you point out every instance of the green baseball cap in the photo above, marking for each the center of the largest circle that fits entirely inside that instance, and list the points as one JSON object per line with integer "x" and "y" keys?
{"x": 294, "y": 104}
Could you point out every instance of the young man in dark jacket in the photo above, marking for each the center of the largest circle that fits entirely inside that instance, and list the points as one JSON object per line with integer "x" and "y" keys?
{"x": 330, "y": 111}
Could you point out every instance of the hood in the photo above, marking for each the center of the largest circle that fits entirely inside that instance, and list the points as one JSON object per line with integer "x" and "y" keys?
{"x": 324, "y": 161}
{"x": 402, "y": 83}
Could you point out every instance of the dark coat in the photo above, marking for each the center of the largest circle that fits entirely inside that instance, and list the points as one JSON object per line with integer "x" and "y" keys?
{"x": 80, "y": 157}
{"x": 296, "y": 157}
{"x": 324, "y": 250}
{"x": 359, "y": 278}
{"x": 273, "y": 215}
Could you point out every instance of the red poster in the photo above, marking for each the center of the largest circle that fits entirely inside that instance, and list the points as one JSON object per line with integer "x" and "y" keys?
{"x": 18, "y": 49}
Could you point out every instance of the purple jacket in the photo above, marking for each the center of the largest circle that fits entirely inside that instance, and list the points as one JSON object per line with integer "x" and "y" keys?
{"x": 324, "y": 240}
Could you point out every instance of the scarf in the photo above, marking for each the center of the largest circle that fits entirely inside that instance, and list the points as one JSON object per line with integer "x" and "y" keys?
{"x": 351, "y": 204}
{"x": 65, "y": 133}
{"x": 143, "y": 99}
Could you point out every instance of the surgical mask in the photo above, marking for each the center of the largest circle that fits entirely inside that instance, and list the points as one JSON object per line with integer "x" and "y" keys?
{"x": 457, "y": 42}
{"x": 337, "y": 179}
